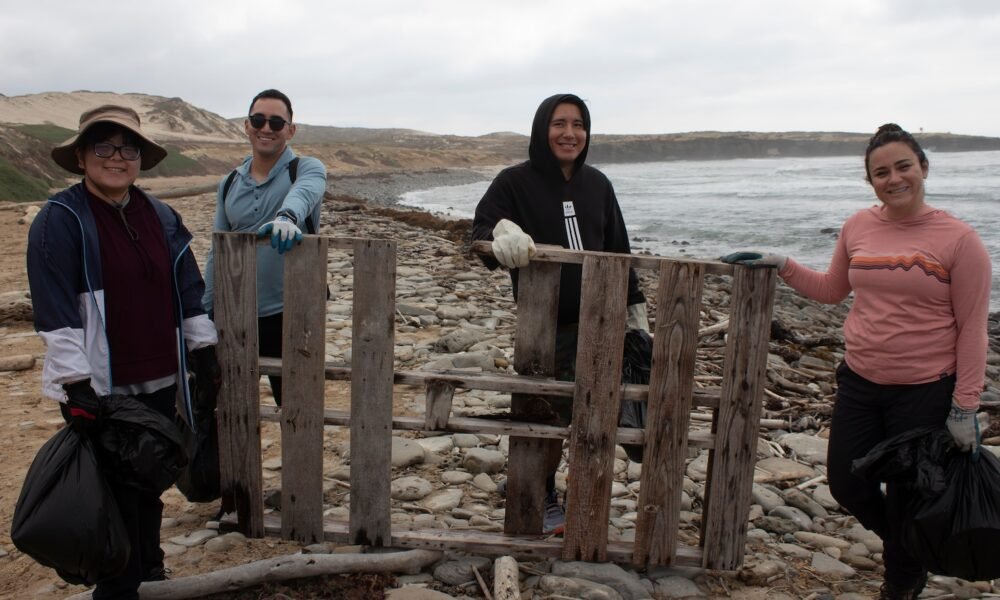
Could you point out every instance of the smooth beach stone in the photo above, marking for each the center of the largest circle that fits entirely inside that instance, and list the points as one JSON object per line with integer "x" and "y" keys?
{"x": 442, "y": 500}
{"x": 571, "y": 587}
{"x": 767, "y": 497}
{"x": 481, "y": 460}
{"x": 809, "y": 447}
{"x": 826, "y": 565}
{"x": 455, "y": 477}
{"x": 457, "y": 572}
{"x": 802, "y": 501}
{"x": 406, "y": 452}
{"x": 195, "y": 538}
{"x": 439, "y": 444}
{"x": 410, "y": 488}
{"x": 780, "y": 469}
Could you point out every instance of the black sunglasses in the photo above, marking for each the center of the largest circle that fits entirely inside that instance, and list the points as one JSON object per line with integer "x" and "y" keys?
{"x": 107, "y": 150}
{"x": 257, "y": 122}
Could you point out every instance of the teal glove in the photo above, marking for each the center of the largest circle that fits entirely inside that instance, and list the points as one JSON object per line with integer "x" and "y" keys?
{"x": 964, "y": 427}
{"x": 755, "y": 260}
{"x": 283, "y": 231}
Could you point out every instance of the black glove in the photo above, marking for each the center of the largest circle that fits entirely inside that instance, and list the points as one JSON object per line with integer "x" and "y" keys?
{"x": 83, "y": 405}
{"x": 207, "y": 379}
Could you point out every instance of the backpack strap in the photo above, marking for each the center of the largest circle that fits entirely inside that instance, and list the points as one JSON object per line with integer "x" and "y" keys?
{"x": 293, "y": 172}
{"x": 228, "y": 184}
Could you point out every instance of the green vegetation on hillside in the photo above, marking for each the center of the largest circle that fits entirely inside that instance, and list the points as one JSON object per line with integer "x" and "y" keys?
{"x": 175, "y": 165}
{"x": 17, "y": 187}
{"x": 48, "y": 133}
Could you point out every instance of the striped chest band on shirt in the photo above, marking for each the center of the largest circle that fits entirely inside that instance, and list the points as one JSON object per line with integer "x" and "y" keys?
{"x": 572, "y": 227}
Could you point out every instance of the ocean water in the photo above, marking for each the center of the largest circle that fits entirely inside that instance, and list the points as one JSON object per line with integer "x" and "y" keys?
{"x": 791, "y": 206}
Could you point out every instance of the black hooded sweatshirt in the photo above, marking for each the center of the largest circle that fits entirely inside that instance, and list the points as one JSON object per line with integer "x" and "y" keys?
{"x": 581, "y": 213}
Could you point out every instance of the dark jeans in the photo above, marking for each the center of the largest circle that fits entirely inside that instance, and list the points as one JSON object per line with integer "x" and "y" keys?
{"x": 141, "y": 513}
{"x": 865, "y": 414}
{"x": 269, "y": 338}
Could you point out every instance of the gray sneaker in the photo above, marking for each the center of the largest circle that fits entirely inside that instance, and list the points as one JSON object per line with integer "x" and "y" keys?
{"x": 555, "y": 517}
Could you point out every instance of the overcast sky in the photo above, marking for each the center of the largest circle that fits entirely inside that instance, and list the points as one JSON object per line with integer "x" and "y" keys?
{"x": 470, "y": 67}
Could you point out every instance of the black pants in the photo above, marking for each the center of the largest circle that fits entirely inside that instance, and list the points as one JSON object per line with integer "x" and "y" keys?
{"x": 865, "y": 414}
{"x": 269, "y": 339}
{"x": 141, "y": 513}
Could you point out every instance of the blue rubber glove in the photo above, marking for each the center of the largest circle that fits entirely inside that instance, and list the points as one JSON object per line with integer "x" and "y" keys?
{"x": 964, "y": 427}
{"x": 755, "y": 260}
{"x": 283, "y": 231}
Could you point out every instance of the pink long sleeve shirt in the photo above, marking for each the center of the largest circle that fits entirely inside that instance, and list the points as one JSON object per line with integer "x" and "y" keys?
{"x": 921, "y": 298}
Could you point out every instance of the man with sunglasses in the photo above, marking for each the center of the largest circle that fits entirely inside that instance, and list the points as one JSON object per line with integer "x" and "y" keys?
{"x": 273, "y": 193}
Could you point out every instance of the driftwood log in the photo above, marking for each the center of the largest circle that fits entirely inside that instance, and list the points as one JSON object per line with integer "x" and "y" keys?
{"x": 15, "y": 306}
{"x": 18, "y": 362}
{"x": 280, "y": 569}
{"x": 506, "y": 579}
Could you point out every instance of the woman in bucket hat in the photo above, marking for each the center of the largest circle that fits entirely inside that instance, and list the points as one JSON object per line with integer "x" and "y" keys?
{"x": 116, "y": 293}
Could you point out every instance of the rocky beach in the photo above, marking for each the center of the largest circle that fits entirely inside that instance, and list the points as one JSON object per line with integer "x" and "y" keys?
{"x": 454, "y": 314}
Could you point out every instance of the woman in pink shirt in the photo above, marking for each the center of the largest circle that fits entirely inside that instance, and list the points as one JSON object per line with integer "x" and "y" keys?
{"x": 915, "y": 336}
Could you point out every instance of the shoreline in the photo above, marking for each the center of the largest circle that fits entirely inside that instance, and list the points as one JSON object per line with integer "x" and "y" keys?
{"x": 386, "y": 189}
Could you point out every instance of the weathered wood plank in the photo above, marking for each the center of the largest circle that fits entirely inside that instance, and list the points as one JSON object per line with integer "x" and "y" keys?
{"x": 534, "y": 355}
{"x": 547, "y": 253}
{"x": 495, "y": 382}
{"x": 371, "y": 390}
{"x": 302, "y": 383}
{"x": 730, "y": 478}
{"x": 623, "y": 435}
{"x": 595, "y": 407}
{"x": 675, "y": 346}
{"x": 235, "y": 306}
{"x": 522, "y": 547}
{"x": 437, "y": 397}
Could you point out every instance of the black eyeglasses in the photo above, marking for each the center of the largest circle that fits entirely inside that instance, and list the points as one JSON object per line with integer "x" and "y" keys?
{"x": 257, "y": 122}
{"x": 107, "y": 150}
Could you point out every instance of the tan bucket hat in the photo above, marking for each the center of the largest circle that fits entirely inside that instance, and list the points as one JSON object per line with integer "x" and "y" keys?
{"x": 151, "y": 153}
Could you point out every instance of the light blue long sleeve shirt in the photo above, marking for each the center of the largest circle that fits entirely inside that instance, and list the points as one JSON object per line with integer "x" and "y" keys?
{"x": 250, "y": 204}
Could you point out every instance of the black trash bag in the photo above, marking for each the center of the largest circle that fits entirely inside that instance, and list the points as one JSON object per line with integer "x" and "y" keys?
{"x": 958, "y": 533}
{"x": 637, "y": 360}
{"x": 951, "y": 504}
{"x": 143, "y": 448}
{"x": 66, "y": 517}
{"x": 201, "y": 479}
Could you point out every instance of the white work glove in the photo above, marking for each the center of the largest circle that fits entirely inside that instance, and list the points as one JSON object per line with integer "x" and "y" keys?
{"x": 283, "y": 231}
{"x": 511, "y": 246}
{"x": 637, "y": 318}
{"x": 964, "y": 427}
{"x": 755, "y": 260}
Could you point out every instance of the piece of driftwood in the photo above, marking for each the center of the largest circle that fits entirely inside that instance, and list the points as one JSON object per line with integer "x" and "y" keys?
{"x": 15, "y": 306}
{"x": 18, "y": 362}
{"x": 282, "y": 568}
{"x": 482, "y": 584}
{"x": 506, "y": 579}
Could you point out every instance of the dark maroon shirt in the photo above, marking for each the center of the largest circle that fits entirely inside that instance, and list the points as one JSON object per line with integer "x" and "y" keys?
{"x": 139, "y": 312}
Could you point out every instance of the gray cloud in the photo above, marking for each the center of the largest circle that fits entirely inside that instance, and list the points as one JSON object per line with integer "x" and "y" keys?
{"x": 451, "y": 66}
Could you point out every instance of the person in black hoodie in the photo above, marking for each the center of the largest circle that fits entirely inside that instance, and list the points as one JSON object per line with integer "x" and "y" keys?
{"x": 554, "y": 198}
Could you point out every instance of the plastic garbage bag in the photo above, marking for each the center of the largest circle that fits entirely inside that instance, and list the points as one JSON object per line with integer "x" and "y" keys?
{"x": 958, "y": 532}
{"x": 143, "y": 448}
{"x": 66, "y": 517}
{"x": 200, "y": 481}
{"x": 951, "y": 501}
{"x": 637, "y": 360}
